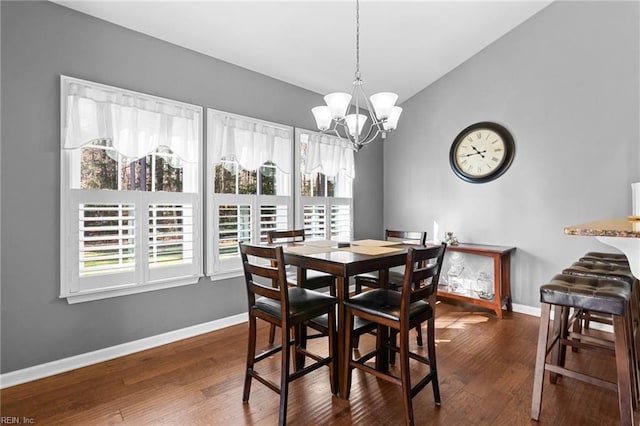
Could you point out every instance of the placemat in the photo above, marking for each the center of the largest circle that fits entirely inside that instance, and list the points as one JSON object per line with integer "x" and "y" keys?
{"x": 371, "y": 250}
{"x": 374, "y": 243}
{"x": 306, "y": 249}
{"x": 321, "y": 243}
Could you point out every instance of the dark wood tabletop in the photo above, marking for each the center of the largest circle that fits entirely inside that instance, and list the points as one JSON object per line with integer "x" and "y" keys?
{"x": 344, "y": 263}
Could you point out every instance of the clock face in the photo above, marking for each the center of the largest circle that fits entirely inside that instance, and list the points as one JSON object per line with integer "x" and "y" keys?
{"x": 481, "y": 152}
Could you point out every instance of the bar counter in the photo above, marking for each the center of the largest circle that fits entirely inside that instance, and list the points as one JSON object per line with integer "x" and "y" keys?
{"x": 621, "y": 233}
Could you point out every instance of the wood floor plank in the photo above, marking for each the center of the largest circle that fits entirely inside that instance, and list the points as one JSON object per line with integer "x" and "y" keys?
{"x": 485, "y": 367}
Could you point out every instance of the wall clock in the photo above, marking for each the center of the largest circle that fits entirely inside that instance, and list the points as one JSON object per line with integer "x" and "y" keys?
{"x": 482, "y": 152}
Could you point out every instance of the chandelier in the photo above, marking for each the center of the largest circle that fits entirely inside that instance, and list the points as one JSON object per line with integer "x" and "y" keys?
{"x": 340, "y": 113}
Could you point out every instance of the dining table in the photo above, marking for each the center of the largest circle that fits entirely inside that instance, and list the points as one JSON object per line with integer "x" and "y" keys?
{"x": 345, "y": 260}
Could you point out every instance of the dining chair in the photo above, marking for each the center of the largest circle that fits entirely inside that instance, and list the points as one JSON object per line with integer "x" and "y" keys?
{"x": 271, "y": 299}
{"x": 312, "y": 280}
{"x": 399, "y": 311}
{"x": 396, "y": 275}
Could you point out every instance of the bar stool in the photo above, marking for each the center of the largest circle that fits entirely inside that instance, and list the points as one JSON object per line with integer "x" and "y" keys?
{"x": 612, "y": 271}
{"x": 600, "y": 257}
{"x": 623, "y": 274}
{"x": 605, "y": 296}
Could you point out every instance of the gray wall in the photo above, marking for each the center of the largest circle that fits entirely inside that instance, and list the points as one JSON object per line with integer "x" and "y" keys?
{"x": 40, "y": 41}
{"x": 565, "y": 83}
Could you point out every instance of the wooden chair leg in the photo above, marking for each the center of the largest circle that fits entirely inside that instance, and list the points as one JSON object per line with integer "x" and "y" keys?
{"x": 333, "y": 353}
{"x": 405, "y": 378}
{"x": 272, "y": 334}
{"x": 284, "y": 376}
{"x": 541, "y": 356}
{"x": 419, "y": 335}
{"x": 300, "y": 338}
{"x": 347, "y": 356}
{"x": 624, "y": 375}
{"x": 251, "y": 355}
{"x": 431, "y": 352}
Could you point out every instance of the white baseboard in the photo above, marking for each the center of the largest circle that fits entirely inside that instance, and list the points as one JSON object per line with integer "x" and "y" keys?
{"x": 536, "y": 312}
{"x": 66, "y": 364}
{"x": 524, "y": 309}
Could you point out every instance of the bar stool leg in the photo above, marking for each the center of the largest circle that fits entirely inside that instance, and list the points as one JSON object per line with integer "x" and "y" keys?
{"x": 559, "y": 323}
{"x": 541, "y": 355}
{"x": 622, "y": 367}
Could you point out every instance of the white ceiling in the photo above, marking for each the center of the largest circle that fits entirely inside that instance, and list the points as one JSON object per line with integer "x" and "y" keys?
{"x": 404, "y": 45}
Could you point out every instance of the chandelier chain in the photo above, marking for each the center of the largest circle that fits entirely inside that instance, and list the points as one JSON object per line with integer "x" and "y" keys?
{"x": 357, "y": 40}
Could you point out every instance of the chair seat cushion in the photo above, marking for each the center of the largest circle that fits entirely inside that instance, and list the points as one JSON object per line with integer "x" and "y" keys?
{"x": 303, "y": 304}
{"x": 593, "y": 294}
{"x": 315, "y": 279}
{"x": 386, "y": 303}
{"x": 360, "y": 325}
{"x": 601, "y": 270}
{"x": 396, "y": 278}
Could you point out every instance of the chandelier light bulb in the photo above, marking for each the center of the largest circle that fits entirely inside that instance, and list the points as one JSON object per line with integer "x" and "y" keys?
{"x": 322, "y": 114}
{"x": 383, "y": 103}
{"x": 338, "y": 103}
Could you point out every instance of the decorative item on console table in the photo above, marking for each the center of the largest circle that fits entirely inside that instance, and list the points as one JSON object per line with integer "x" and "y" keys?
{"x": 492, "y": 291}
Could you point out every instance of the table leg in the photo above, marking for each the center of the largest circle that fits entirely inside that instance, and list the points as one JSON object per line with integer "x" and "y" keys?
{"x": 343, "y": 294}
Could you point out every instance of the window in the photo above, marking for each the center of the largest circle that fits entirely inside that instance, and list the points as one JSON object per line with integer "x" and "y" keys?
{"x": 249, "y": 164}
{"x": 326, "y": 171}
{"x": 130, "y": 192}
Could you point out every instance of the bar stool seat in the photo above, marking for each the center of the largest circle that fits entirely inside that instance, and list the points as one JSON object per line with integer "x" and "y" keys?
{"x": 593, "y": 294}
{"x": 600, "y": 257}
{"x": 605, "y": 296}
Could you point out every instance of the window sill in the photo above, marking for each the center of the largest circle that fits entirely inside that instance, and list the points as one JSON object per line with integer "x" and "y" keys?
{"x": 220, "y": 276}
{"x": 106, "y": 294}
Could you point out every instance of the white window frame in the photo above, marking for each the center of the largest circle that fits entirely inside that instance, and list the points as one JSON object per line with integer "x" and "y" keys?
{"x": 216, "y": 268}
{"x": 143, "y": 278}
{"x": 327, "y": 202}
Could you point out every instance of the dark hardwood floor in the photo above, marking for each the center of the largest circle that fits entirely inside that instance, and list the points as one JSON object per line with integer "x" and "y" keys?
{"x": 485, "y": 367}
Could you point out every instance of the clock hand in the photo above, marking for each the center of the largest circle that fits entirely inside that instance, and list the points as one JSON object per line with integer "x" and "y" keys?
{"x": 478, "y": 152}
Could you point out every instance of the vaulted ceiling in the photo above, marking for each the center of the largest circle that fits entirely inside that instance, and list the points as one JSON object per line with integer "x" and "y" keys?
{"x": 404, "y": 45}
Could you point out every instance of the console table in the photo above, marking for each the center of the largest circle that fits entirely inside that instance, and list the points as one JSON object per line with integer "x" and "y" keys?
{"x": 501, "y": 256}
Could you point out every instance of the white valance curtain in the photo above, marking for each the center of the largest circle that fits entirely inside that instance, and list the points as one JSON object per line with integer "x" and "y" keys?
{"x": 328, "y": 155}
{"x": 250, "y": 142}
{"x": 135, "y": 124}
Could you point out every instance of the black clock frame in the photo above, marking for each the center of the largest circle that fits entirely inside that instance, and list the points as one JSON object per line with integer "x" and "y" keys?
{"x": 509, "y": 145}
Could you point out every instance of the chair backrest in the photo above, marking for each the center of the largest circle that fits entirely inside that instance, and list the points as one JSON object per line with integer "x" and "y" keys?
{"x": 422, "y": 274}
{"x": 418, "y": 237}
{"x": 288, "y": 236}
{"x": 267, "y": 263}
